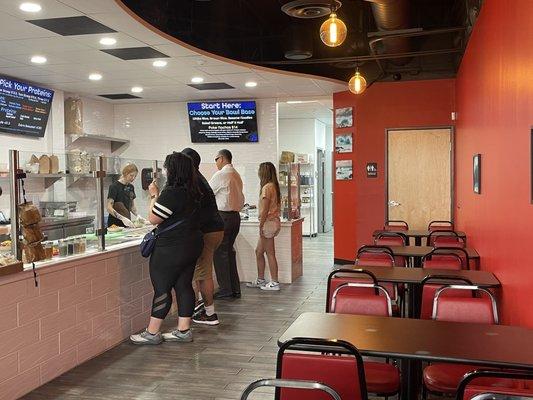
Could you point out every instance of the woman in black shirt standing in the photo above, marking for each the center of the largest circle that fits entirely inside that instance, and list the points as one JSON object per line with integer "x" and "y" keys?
{"x": 176, "y": 251}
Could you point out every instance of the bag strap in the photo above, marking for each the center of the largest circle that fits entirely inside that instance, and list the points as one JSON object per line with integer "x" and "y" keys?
{"x": 168, "y": 228}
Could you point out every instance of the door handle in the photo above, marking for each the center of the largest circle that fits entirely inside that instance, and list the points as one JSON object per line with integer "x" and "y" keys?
{"x": 393, "y": 203}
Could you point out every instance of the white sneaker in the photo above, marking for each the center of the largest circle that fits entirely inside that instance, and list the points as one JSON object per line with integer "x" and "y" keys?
{"x": 270, "y": 286}
{"x": 257, "y": 283}
{"x": 146, "y": 338}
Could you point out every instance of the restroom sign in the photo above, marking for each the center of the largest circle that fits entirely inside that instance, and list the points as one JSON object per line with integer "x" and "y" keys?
{"x": 372, "y": 170}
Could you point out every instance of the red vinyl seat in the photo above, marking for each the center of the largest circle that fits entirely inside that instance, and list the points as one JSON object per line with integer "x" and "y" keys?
{"x": 440, "y": 226}
{"x": 396, "y": 225}
{"x": 441, "y": 377}
{"x": 382, "y": 379}
{"x": 445, "y": 238}
{"x": 393, "y": 239}
{"x": 428, "y": 295}
{"x": 378, "y": 256}
{"x": 343, "y": 373}
{"x": 492, "y": 382}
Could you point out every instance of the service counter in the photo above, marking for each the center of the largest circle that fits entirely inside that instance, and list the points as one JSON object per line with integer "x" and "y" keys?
{"x": 288, "y": 250}
{"x": 83, "y": 305}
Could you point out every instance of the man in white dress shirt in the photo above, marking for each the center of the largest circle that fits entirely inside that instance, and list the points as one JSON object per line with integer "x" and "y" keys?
{"x": 227, "y": 187}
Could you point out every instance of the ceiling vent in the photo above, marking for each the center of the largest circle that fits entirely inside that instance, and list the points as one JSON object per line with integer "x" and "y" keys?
{"x": 298, "y": 43}
{"x": 310, "y": 8}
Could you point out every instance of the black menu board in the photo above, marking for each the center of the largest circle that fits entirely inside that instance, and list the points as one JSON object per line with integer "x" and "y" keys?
{"x": 223, "y": 121}
{"x": 24, "y": 107}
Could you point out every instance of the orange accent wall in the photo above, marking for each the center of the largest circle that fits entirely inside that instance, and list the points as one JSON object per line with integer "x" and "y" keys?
{"x": 359, "y": 204}
{"x": 495, "y": 115}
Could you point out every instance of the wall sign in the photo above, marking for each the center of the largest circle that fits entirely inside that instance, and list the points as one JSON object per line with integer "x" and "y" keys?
{"x": 24, "y": 108}
{"x": 372, "y": 170}
{"x": 223, "y": 121}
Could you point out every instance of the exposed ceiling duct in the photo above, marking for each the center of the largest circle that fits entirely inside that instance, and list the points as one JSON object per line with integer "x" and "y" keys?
{"x": 310, "y": 8}
{"x": 393, "y": 15}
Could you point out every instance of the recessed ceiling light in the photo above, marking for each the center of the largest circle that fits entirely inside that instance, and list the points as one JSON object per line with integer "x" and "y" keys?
{"x": 38, "y": 59}
{"x": 136, "y": 89}
{"x": 30, "y": 7}
{"x": 250, "y": 84}
{"x": 197, "y": 79}
{"x": 159, "y": 63}
{"x": 95, "y": 77}
{"x": 108, "y": 41}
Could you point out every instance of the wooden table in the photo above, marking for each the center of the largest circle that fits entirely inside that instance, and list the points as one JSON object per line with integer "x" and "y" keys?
{"x": 413, "y": 278}
{"x": 420, "y": 340}
{"x": 418, "y": 252}
{"x": 416, "y": 234}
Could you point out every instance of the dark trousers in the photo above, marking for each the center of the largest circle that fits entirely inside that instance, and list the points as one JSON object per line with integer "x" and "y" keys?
{"x": 224, "y": 260}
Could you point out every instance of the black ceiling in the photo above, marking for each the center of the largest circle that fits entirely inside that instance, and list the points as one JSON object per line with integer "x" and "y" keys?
{"x": 430, "y": 33}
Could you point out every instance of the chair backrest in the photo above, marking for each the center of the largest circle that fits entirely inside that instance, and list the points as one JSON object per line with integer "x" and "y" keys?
{"x": 340, "y": 276}
{"x": 445, "y": 238}
{"x": 482, "y": 310}
{"x": 378, "y": 256}
{"x": 440, "y": 225}
{"x": 396, "y": 225}
{"x": 287, "y": 383}
{"x": 445, "y": 258}
{"x": 390, "y": 239}
{"x": 303, "y": 359}
{"x": 431, "y": 283}
{"x": 349, "y": 299}
{"x": 496, "y": 385}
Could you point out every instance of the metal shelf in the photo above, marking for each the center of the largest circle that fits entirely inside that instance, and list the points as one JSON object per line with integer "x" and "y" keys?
{"x": 116, "y": 143}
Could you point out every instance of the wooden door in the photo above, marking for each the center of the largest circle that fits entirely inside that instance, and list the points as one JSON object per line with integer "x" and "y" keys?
{"x": 419, "y": 176}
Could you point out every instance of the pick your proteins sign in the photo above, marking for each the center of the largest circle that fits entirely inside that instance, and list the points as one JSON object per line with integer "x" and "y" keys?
{"x": 224, "y": 121}
{"x": 24, "y": 108}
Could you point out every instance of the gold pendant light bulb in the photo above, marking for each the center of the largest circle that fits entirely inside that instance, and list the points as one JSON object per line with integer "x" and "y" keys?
{"x": 357, "y": 84}
{"x": 333, "y": 31}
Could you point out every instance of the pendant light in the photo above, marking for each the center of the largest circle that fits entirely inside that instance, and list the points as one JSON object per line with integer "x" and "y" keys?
{"x": 357, "y": 83}
{"x": 333, "y": 31}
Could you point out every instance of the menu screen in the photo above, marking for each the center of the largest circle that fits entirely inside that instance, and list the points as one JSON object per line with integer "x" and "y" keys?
{"x": 223, "y": 121}
{"x": 24, "y": 107}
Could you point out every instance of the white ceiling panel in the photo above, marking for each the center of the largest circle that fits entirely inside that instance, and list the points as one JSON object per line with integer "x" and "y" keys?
{"x": 224, "y": 69}
{"x": 50, "y": 9}
{"x": 122, "y": 39}
{"x": 4, "y": 63}
{"x": 15, "y": 28}
{"x": 175, "y": 51}
{"x": 93, "y": 6}
{"x": 24, "y": 72}
{"x": 51, "y": 44}
{"x": 54, "y": 79}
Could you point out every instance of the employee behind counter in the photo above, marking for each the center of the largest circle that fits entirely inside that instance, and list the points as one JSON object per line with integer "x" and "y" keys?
{"x": 121, "y": 200}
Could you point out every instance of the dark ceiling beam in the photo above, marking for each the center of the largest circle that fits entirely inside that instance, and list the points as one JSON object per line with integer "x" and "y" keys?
{"x": 362, "y": 58}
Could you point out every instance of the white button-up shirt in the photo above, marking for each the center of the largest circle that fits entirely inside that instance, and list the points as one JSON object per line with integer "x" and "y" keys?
{"x": 227, "y": 186}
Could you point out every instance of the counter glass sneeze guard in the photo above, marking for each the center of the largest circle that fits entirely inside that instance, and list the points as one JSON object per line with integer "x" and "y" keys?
{"x": 70, "y": 191}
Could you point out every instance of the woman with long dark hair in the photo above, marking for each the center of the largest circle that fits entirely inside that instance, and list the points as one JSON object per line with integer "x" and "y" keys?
{"x": 269, "y": 226}
{"x": 176, "y": 250}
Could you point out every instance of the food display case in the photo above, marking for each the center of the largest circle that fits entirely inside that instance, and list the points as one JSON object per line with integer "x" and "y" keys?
{"x": 289, "y": 183}
{"x": 69, "y": 191}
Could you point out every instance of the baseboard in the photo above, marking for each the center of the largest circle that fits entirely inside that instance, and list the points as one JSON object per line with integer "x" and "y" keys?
{"x": 341, "y": 261}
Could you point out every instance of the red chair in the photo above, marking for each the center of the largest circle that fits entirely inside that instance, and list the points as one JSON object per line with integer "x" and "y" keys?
{"x": 348, "y": 298}
{"x": 396, "y": 225}
{"x": 443, "y": 238}
{"x": 358, "y": 298}
{"x": 342, "y": 276}
{"x": 444, "y": 378}
{"x": 375, "y": 256}
{"x": 445, "y": 258}
{"x": 379, "y": 256}
{"x": 440, "y": 226}
{"x": 393, "y": 239}
{"x": 489, "y": 384}
{"x": 432, "y": 283}
{"x": 345, "y": 374}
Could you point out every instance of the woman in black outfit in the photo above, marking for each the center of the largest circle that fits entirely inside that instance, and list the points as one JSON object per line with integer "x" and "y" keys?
{"x": 176, "y": 251}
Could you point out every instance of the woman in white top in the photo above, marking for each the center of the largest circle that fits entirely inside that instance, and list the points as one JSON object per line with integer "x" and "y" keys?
{"x": 269, "y": 226}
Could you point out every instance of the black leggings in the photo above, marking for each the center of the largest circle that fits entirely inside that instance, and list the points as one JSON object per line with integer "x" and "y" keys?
{"x": 173, "y": 267}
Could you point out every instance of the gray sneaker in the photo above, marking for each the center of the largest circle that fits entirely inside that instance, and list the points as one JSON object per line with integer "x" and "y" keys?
{"x": 146, "y": 337}
{"x": 177, "y": 336}
{"x": 256, "y": 283}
